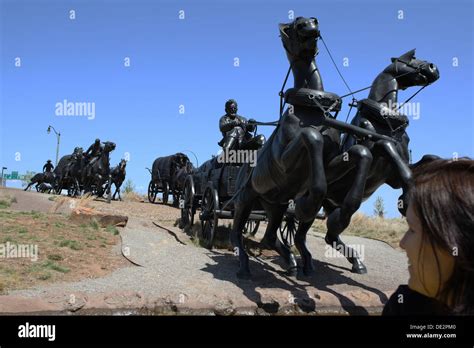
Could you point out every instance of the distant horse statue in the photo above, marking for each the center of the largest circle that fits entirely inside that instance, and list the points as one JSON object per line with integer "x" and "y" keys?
{"x": 39, "y": 179}
{"x": 60, "y": 169}
{"x": 181, "y": 175}
{"x": 179, "y": 181}
{"x": 71, "y": 173}
{"x": 96, "y": 175}
{"x": 118, "y": 174}
{"x": 45, "y": 188}
{"x": 290, "y": 165}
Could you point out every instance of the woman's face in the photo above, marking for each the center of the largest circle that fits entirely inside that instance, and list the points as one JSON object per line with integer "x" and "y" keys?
{"x": 425, "y": 275}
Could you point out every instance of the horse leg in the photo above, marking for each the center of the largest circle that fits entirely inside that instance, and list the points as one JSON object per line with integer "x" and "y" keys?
{"x": 387, "y": 149}
{"x": 339, "y": 218}
{"x": 311, "y": 142}
{"x": 118, "y": 191}
{"x": 300, "y": 243}
{"x": 242, "y": 210}
{"x": 29, "y": 185}
{"x": 275, "y": 215}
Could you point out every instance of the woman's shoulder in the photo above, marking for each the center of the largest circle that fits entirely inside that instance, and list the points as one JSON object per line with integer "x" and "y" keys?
{"x": 405, "y": 301}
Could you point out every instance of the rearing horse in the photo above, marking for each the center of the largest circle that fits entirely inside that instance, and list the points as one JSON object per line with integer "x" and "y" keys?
{"x": 290, "y": 165}
{"x": 355, "y": 179}
{"x": 97, "y": 173}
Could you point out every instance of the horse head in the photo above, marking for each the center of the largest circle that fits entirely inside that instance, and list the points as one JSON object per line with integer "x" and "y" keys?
{"x": 410, "y": 71}
{"x": 109, "y": 146}
{"x": 181, "y": 159}
{"x": 189, "y": 167}
{"x": 122, "y": 164}
{"x": 300, "y": 37}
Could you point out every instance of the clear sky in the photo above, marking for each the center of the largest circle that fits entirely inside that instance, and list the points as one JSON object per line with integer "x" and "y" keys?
{"x": 190, "y": 62}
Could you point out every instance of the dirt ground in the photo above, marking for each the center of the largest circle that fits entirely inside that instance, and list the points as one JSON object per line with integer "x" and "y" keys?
{"x": 65, "y": 251}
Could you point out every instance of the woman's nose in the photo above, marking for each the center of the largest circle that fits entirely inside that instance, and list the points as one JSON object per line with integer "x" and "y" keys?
{"x": 402, "y": 242}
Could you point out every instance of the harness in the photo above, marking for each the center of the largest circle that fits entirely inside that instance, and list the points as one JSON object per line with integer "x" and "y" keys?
{"x": 378, "y": 113}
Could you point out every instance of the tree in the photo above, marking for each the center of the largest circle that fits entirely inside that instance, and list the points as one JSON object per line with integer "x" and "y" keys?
{"x": 379, "y": 208}
{"x": 129, "y": 186}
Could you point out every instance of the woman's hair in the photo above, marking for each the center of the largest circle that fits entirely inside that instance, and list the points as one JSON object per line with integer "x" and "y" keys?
{"x": 443, "y": 200}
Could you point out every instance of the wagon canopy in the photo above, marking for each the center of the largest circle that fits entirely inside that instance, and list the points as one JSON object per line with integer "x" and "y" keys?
{"x": 165, "y": 168}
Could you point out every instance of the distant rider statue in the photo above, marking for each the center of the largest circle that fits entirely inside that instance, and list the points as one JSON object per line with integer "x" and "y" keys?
{"x": 237, "y": 131}
{"x": 48, "y": 167}
{"x": 94, "y": 151}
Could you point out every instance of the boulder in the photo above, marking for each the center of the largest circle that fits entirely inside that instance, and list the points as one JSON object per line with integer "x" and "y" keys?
{"x": 83, "y": 215}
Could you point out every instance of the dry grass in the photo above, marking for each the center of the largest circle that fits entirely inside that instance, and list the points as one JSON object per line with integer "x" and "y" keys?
{"x": 66, "y": 251}
{"x": 82, "y": 202}
{"x": 132, "y": 197}
{"x": 390, "y": 231}
{"x": 6, "y": 202}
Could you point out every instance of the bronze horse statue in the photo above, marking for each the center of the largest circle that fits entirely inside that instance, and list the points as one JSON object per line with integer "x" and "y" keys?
{"x": 181, "y": 175}
{"x": 118, "y": 174}
{"x": 70, "y": 177}
{"x": 39, "y": 179}
{"x": 95, "y": 175}
{"x": 353, "y": 176}
{"x": 291, "y": 163}
{"x": 61, "y": 168}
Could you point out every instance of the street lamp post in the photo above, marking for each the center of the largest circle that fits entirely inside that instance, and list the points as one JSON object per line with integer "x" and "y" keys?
{"x": 58, "y": 136}
{"x": 3, "y": 181}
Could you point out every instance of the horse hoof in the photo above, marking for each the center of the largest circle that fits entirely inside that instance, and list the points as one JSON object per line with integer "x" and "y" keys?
{"x": 243, "y": 275}
{"x": 359, "y": 269}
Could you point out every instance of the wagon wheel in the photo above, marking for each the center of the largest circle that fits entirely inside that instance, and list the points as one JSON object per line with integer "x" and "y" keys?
{"x": 288, "y": 229}
{"x": 208, "y": 216}
{"x": 251, "y": 227}
{"x": 152, "y": 192}
{"x": 188, "y": 209}
{"x": 166, "y": 190}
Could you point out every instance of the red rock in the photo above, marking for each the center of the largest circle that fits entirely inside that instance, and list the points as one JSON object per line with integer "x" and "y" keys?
{"x": 85, "y": 215}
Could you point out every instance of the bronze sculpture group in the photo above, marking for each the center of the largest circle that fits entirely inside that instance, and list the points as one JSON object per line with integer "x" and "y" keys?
{"x": 311, "y": 158}
{"x": 82, "y": 172}
{"x": 311, "y": 161}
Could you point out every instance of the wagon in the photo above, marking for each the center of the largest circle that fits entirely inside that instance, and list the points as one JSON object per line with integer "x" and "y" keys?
{"x": 209, "y": 190}
{"x": 163, "y": 177}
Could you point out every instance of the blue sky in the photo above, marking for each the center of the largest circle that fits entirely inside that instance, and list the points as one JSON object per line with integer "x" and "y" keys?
{"x": 190, "y": 62}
